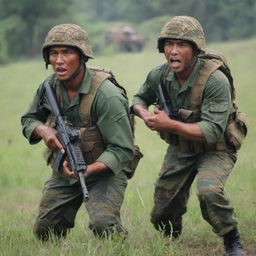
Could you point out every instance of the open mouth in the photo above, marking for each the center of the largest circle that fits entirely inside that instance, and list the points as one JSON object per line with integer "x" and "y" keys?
{"x": 61, "y": 71}
{"x": 175, "y": 63}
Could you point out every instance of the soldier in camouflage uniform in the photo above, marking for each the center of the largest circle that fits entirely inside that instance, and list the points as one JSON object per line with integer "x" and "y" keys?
{"x": 100, "y": 110}
{"x": 197, "y": 149}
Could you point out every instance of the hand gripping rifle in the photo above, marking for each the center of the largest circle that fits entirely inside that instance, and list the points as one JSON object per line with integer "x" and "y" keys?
{"x": 69, "y": 138}
{"x": 172, "y": 113}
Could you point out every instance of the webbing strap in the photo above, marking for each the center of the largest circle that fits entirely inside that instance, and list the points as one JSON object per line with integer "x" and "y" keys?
{"x": 207, "y": 68}
{"x": 97, "y": 78}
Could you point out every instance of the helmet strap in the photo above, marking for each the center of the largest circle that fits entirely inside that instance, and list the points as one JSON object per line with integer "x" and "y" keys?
{"x": 83, "y": 60}
{"x": 75, "y": 74}
{"x": 191, "y": 63}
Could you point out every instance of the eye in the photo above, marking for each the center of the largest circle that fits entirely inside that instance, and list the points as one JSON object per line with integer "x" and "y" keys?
{"x": 67, "y": 52}
{"x": 168, "y": 43}
{"x": 53, "y": 54}
{"x": 183, "y": 44}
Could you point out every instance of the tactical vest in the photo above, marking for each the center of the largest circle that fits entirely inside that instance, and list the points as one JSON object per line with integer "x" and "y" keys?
{"x": 91, "y": 139}
{"x": 192, "y": 114}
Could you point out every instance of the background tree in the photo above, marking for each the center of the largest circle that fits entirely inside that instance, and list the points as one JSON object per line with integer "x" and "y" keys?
{"x": 24, "y": 23}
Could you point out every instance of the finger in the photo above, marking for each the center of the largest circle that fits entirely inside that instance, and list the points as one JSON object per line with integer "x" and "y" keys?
{"x": 67, "y": 171}
{"x": 59, "y": 145}
{"x": 150, "y": 119}
{"x": 65, "y": 167}
{"x": 156, "y": 110}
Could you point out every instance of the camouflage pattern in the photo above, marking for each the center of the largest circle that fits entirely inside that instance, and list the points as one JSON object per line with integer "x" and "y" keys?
{"x": 68, "y": 35}
{"x": 62, "y": 199}
{"x": 105, "y": 202}
{"x": 172, "y": 190}
{"x": 182, "y": 28}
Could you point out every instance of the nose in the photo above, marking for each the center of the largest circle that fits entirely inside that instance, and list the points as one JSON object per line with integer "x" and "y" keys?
{"x": 59, "y": 58}
{"x": 174, "y": 49}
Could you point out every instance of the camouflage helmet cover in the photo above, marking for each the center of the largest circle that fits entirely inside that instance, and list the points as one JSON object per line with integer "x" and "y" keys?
{"x": 68, "y": 35}
{"x": 182, "y": 28}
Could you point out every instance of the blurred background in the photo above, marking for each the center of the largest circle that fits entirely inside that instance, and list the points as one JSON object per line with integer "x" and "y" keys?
{"x": 123, "y": 34}
{"x": 24, "y": 23}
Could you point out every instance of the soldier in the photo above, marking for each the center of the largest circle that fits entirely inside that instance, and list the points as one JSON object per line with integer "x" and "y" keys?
{"x": 100, "y": 110}
{"x": 197, "y": 148}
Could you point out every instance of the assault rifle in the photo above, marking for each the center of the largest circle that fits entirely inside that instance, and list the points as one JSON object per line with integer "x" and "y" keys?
{"x": 172, "y": 113}
{"x": 69, "y": 138}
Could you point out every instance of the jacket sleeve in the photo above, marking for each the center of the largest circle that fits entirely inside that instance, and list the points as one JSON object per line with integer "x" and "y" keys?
{"x": 111, "y": 112}
{"x": 216, "y": 107}
{"x": 36, "y": 114}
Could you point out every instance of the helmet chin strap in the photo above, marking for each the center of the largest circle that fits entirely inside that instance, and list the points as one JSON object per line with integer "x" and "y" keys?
{"x": 191, "y": 63}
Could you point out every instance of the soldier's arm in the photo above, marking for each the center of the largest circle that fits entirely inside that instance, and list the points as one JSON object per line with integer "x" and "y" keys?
{"x": 161, "y": 122}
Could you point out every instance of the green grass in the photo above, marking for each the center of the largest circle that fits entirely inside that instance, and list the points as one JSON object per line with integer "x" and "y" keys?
{"x": 23, "y": 171}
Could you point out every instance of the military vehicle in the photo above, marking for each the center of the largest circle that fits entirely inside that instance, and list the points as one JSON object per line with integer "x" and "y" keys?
{"x": 125, "y": 38}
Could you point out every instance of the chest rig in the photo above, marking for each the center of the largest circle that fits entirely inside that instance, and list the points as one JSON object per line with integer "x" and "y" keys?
{"x": 192, "y": 113}
{"x": 92, "y": 144}
{"x": 91, "y": 139}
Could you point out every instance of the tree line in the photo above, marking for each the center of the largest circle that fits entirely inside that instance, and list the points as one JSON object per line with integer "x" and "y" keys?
{"x": 24, "y": 23}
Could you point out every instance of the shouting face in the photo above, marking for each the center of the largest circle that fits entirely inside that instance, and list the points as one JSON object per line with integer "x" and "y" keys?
{"x": 179, "y": 55}
{"x": 64, "y": 61}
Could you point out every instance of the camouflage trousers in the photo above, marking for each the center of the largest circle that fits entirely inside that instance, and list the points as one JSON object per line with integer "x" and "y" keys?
{"x": 62, "y": 198}
{"x": 177, "y": 174}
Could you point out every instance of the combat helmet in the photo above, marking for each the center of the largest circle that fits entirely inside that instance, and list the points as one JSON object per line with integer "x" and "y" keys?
{"x": 182, "y": 28}
{"x": 68, "y": 35}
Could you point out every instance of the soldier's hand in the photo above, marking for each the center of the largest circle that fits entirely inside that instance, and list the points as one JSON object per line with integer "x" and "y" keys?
{"x": 67, "y": 171}
{"x": 159, "y": 121}
{"x": 49, "y": 135}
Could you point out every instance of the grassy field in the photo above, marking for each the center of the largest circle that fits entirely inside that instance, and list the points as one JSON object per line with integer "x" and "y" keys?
{"x": 23, "y": 171}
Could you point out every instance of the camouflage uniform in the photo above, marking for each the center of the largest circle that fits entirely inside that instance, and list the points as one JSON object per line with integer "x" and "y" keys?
{"x": 62, "y": 196}
{"x": 62, "y": 199}
{"x": 210, "y": 166}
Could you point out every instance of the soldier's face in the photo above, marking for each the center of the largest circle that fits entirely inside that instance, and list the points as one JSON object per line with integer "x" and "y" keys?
{"x": 64, "y": 61}
{"x": 179, "y": 54}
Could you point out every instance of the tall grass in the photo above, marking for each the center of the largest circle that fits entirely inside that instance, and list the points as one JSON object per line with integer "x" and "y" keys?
{"x": 23, "y": 171}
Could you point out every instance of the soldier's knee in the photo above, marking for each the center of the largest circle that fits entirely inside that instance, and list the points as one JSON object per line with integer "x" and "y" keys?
{"x": 43, "y": 230}
{"x": 209, "y": 194}
{"x": 169, "y": 226}
{"x": 155, "y": 218}
{"x": 159, "y": 221}
{"x": 103, "y": 228}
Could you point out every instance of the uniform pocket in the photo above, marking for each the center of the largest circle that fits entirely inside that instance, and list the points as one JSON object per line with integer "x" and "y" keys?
{"x": 218, "y": 107}
{"x": 91, "y": 143}
{"x": 237, "y": 130}
{"x": 133, "y": 164}
{"x": 185, "y": 114}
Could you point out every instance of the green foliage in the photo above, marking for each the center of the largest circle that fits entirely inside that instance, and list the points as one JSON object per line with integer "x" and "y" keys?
{"x": 226, "y": 21}
{"x": 23, "y": 170}
{"x": 9, "y": 31}
{"x": 150, "y": 29}
{"x": 24, "y": 23}
{"x": 221, "y": 19}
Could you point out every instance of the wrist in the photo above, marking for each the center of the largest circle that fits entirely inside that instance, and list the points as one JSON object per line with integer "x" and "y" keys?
{"x": 87, "y": 172}
{"x": 38, "y": 131}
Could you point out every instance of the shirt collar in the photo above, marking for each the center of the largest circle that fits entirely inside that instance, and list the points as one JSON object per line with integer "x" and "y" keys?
{"x": 84, "y": 89}
{"x": 85, "y": 85}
